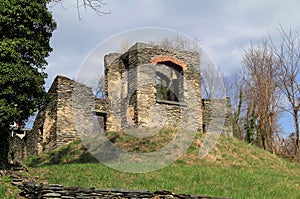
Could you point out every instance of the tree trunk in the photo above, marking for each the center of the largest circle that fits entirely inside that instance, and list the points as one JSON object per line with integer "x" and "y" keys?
{"x": 263, "y": 141}
{"x": 272, "y": 143}
{"x": 4, "y": 148}
{"x": 236, "y": 117}
{"x": 297, "y": 130}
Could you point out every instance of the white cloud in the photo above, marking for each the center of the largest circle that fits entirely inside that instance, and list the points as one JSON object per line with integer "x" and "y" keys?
{"x": 224, "y": 27}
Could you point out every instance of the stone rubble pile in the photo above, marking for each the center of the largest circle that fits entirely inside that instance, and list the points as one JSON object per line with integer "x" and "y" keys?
{"x": 49, "y": 191}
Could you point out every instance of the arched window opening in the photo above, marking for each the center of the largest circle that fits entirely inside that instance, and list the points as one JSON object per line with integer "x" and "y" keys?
{"x": 169, "y": 83}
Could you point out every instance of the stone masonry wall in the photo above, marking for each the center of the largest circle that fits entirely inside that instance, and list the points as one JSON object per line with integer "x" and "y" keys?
{"x": 45, "y": 124}
{"x": 189, "y": 62}
{"x": 218, "y": 109}
{"x": 66, "y": 129}
{"x": 131, "y": 100}
{"x": 75, "y": 110}
{"x": 67, "y": 115}
{"x": 130, "y": 80}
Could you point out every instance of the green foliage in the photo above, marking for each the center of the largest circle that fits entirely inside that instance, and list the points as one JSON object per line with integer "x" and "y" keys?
{"x": 7, "y": 191}
{"x": 5, "y": 179}
{"x": 162, "y": 92}
{"x": 250, "y": 126}
{"x": 26, "y": 27}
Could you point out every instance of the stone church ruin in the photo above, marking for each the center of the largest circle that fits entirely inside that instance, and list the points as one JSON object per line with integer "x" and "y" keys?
{"x": 145, "y": 87}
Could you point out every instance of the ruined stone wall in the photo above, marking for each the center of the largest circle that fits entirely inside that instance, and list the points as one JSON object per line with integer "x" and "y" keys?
{"x": 66, "y": 129}
{"x": 131, "y": 99}
{"x": 114, "y": 86}
{"x": 101, "y": 112}
{"x": 59, "y": 122}
{"x": 68, "y": 115}
{"x": 43, "y": 133}
{"x": 146, "y": 95}
{"x": 189, "y": 62}
{"x": 101, "y": 105}
{"x": 131, "y": 87}
{"x": 218, "y": 109}
{"x": 75, "y": 110}
{"x": 166, "y": 114}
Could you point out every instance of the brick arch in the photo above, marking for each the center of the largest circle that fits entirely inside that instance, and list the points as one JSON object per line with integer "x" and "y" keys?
{"x": 165, "y": 58}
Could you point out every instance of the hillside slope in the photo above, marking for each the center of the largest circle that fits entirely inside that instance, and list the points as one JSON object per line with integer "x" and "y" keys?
{"x": 232, "y": 169}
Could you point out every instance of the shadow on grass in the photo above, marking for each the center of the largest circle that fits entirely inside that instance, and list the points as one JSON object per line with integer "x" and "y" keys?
{"x": 70, "y": 154}
{"x": 76, "y": 152}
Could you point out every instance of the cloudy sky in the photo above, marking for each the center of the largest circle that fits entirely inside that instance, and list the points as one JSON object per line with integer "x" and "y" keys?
{"x": 223, "y": 27}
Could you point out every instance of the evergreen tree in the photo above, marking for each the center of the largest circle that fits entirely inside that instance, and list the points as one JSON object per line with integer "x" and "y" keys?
{"x": 26, "y": 27}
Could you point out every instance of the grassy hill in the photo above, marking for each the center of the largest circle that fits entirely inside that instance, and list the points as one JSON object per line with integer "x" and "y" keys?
{"x": 233, "y": 169}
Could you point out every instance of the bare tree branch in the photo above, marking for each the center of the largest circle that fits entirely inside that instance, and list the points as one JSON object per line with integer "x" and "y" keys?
{"x": 288, "y": 54}
{"x": 178, "y": 43}
{"x": 260, "y": 72}
{"x": 95, "y": 5}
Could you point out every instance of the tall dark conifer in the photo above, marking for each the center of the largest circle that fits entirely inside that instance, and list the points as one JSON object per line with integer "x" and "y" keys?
{"x": 26, "y": 27}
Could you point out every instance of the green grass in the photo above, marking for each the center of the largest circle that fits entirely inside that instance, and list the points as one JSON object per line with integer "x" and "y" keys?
{"x": 193, "y": 179}
{"x": 232, "y": 169}
{"x": 6, "y": 190}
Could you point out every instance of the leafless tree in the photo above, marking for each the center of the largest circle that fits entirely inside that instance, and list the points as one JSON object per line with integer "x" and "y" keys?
{"x": 178, "y": 43}
{"x": 212, "y": 81}
{"x": 288, "y": 54}
{"x": 234, "y": 89}
{"x": 260, "y": 72}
